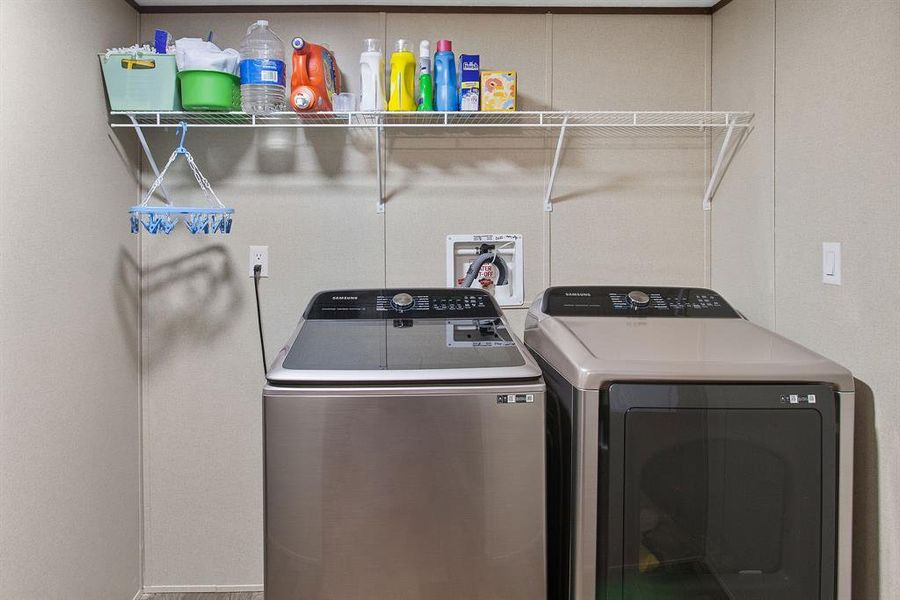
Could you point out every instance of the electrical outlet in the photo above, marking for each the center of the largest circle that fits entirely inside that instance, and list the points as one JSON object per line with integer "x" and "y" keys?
{"x": 259, "y": 255}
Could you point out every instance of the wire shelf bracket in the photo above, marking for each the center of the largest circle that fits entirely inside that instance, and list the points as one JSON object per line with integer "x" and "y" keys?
{"x": 548, "y": 202}
{"x": 731, "y": 127}
{"x": 379, "y": 168}
{"x": 140, "y": 135}
{"x": 719, "y": 166}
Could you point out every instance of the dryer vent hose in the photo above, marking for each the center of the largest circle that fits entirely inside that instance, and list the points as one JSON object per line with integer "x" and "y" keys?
{"x": 490, "y": 256}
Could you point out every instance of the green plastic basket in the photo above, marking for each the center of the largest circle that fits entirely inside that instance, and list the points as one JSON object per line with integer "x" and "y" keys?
{"x": 140, "y": 81}
{"x": 209, "y": 90}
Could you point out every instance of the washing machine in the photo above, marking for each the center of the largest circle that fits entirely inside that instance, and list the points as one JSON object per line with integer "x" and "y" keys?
{"x": 692, "y": 455}
{"x": 404, "y": 452}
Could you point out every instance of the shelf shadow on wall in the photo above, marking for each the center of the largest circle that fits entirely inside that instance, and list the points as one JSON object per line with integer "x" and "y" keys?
{"x": 615, "y": 184}
{"x": 418, "y": 158}
{"x": 329, "y": 147}
{"x": 479, "y": 155}
{"x": 277, "y": 149}
{"x": 469, "y": 157}
{"x": 194, "y": 296}
{"x": 127, "y": 150}
{"x": 866, "y": 521}
{"x": 127, "y": 300}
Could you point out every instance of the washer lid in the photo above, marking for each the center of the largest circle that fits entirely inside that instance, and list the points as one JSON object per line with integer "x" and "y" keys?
{"x": 359, "y": 336}
{"x": 594, "y": 351}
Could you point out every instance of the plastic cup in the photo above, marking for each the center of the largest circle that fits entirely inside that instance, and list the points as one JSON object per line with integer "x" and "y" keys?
{"x": 344, "y": 102}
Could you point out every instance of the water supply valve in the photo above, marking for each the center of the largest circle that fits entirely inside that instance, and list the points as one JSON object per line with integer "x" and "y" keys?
{"x": 492, "y": 262}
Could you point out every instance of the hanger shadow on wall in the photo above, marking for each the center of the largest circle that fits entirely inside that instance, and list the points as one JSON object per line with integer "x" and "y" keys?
{"x": 192, "y": 296}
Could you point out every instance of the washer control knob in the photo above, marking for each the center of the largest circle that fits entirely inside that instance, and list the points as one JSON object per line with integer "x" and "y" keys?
{"x": 402, "y": 301}
{"x": 638, "y": 299}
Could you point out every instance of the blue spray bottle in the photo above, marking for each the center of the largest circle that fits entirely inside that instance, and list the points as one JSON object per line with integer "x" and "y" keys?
{"x": 446, "y": 96}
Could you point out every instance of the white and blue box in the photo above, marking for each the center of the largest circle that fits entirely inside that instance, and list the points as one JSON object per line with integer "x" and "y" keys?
{"x": 469, "y": 82}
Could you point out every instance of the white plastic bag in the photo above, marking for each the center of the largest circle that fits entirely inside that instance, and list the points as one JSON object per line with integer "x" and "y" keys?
{"x": 194, "y": 53}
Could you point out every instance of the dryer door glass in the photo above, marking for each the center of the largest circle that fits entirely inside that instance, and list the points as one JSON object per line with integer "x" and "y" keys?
{"x": 722, "y": 504}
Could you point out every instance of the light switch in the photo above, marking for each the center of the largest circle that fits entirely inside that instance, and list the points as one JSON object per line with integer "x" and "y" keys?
{"x": 831, "y": 263}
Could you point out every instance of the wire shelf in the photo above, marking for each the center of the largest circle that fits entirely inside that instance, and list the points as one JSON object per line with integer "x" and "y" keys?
{"x": 725, "y": 131}
{"x": 577, "y": 123}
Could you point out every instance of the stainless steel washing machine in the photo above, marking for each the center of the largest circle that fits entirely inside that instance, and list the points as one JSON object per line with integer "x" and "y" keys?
{"x": 692, "y": 454}
{"x": 404, "y": 452}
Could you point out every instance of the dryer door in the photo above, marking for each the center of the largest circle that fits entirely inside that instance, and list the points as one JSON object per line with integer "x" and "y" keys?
{"x": 720, "y": 492}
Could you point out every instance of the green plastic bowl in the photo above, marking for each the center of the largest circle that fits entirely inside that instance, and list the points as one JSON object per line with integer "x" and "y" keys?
{"x": 209, "y": 90}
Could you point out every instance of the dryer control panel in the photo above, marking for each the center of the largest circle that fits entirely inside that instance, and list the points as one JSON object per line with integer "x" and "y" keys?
{"x": 634, "y": 301}
{"x": 430, "y": 303}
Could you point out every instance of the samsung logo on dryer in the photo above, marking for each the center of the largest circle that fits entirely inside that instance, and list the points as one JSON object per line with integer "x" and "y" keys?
{"x": 345, "y": 297}
{"x": 578, "y": 294}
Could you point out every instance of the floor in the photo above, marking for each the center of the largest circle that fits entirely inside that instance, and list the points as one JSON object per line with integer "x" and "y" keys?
{"x": 204, "y": 596}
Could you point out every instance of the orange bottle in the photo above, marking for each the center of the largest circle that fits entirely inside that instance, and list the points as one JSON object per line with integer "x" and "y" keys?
{"x": 316, "y": 77}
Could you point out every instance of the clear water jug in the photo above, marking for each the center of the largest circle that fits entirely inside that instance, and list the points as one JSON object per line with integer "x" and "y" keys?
{"x": 262, "y": 70}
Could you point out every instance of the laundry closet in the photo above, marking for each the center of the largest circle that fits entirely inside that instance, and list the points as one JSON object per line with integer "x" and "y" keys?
{"x": 734, "y": 161}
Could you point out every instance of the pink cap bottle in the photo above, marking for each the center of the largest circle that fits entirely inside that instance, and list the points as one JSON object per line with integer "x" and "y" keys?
{"x": 446, "y": 94}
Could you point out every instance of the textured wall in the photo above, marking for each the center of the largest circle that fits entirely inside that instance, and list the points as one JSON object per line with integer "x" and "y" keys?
{"x": 629, "y": 211}
{"x": 635, "y": 208}
{"x": 69, "y": 451}
{"x": 743, "y": 232}
{"x": 836, "y": 172}
{"x": 69, "y": 413}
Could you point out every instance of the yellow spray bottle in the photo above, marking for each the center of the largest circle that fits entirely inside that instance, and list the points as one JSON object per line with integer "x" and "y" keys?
{"x": 403, "y": 77}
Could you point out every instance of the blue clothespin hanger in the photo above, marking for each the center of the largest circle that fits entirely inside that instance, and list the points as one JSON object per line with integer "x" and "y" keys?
{"x": 162, "y": 219}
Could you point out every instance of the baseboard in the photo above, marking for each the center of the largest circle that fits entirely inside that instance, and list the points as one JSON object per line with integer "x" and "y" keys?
{"x": 160, "y": 589}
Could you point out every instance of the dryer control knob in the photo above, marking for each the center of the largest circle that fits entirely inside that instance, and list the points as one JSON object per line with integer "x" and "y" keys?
{"x": 402, "y": 301}
{"x": 638, "y": 299}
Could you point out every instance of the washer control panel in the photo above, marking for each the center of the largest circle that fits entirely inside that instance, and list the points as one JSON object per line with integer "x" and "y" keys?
{"x": 636, "y": 301}
{"x": 413, "y": 303}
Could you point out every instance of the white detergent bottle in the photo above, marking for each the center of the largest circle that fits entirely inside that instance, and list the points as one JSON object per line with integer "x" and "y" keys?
{"x": 371, "y": 71}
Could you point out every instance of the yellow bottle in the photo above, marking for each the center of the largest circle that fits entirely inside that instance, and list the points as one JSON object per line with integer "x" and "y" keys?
{"x": 403, "y": 77}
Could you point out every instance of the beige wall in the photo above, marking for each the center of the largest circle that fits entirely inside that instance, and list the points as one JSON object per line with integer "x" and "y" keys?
{"x": 70, "y": 441}
{"x": 310, "y": 198}
{"x": 836, "y": 168}
{"x": 634, "y": 205}
{"x": 69, "y": 412}
{"x": 743, "y": 233}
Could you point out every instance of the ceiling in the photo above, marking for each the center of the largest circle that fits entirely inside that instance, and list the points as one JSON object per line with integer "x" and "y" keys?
{"x": 591, "y": 4}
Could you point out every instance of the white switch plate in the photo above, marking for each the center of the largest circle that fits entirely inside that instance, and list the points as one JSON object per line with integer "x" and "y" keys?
{"x": 259, "y": 255}
{"x": 831, "y": 263}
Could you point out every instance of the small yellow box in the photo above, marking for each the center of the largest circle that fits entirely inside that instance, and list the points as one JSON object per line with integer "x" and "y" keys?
{"x": 498, "y": 90}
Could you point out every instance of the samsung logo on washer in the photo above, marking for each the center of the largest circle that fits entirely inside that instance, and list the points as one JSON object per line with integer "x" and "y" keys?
{"x": 345, "y": 297}
{"x": 578, "y": 294}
